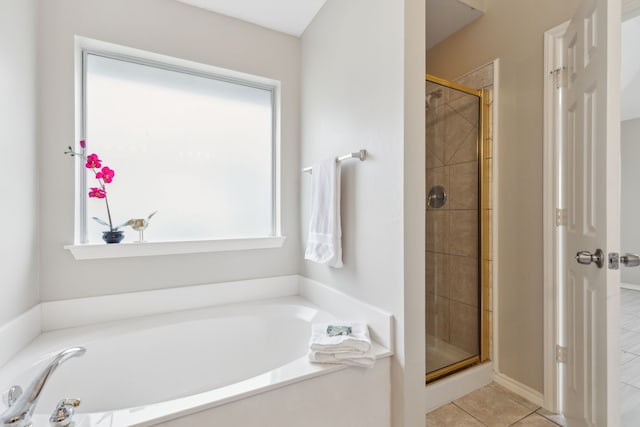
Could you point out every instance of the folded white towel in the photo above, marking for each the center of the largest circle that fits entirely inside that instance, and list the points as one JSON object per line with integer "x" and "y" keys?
{"x": 341, "y": 354}
{"x": 357, "y": 341}
{"x": 324, "y": 242}
{"x": 365, "y": 360}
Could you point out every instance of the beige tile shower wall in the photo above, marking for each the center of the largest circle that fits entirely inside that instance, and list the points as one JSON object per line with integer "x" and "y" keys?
{"x": 452, "y": 231}
{"x": 452, "y": 252}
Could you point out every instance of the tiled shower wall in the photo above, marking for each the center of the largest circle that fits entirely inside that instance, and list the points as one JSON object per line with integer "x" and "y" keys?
{"x": 452, "y": 231}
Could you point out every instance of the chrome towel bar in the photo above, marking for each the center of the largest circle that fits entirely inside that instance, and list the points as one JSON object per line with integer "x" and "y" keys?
{"x": 362, "y": 155}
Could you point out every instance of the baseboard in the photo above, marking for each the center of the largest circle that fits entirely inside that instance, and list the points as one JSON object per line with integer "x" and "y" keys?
{"x": 517, "y": 387}
{"x": 630, "y": 286}
{"x": 18, "y": 332}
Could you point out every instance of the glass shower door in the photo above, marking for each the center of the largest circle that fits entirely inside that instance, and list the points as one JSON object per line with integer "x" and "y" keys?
{"x": 453, "y": 227}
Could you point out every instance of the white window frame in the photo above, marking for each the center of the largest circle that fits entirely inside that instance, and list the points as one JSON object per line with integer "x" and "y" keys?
{"x": 83, "y": 250}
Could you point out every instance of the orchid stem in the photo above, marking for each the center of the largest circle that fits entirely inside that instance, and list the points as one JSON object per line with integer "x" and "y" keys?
{"x": 106, "y": 200}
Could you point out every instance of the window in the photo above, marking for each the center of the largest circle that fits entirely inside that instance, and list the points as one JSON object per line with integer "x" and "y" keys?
{"x": 199, "y": 147}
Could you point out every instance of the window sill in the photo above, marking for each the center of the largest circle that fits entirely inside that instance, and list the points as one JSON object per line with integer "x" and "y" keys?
{"x": 129, "y": 250}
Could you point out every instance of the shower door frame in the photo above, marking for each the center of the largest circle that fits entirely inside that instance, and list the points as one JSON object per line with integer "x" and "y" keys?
{"x": 483, "y": 221}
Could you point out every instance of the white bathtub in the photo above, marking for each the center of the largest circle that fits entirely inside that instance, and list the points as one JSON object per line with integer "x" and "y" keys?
{"x": 169, "y": 368}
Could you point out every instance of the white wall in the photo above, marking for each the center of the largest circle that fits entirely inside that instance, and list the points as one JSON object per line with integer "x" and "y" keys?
{"x": 353, "y": 97}
{"x": 630, "y": 216}
{"x": 362, "y": 64}
{"x": 171, "y": 28}
{"x": 414, "y": 212}
{"x": 18, "y": 160}
{"x": 513, "y": 32}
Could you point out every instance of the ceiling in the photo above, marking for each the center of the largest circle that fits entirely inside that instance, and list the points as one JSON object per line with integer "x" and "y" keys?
{"x": 293, "y": 16}
{"x": 445, "y": 17}
{"x": 287, "y": 16}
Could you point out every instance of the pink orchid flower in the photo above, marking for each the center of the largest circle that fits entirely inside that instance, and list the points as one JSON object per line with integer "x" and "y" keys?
{"x": 93, "y": 161}
{"x": 98, "y": 193}
{"x": 106, "y": 174}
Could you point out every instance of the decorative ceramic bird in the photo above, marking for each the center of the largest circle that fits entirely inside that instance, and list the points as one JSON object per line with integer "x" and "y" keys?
{"x": 140, "y": 224}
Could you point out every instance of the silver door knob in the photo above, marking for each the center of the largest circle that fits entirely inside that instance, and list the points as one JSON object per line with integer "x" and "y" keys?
{"x": 630, "y": 260}
{"x": 586, "y": 257}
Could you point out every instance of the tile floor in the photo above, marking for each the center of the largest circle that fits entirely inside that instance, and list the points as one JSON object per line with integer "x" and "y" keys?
{"x": 492, "y": 406}
{"x": 630, "y": 358}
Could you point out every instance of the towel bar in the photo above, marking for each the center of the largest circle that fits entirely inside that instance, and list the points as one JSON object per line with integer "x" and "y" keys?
{"x": 362, "y": 155}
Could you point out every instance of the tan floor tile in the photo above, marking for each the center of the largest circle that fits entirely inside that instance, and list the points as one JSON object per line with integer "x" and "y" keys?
{"x": 535, "y": 420}
{"x": 556, "y": 418}
{"x": 451, "y": 416}
{"x": 493, "y": 406}
{"x": 515, "y": 397}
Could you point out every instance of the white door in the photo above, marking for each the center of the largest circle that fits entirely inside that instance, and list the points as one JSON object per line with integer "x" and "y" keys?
{"x": 590, "y": 110}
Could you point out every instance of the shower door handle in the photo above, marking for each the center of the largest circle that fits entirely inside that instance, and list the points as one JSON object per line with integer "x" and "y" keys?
{"x": 586, "y": 257}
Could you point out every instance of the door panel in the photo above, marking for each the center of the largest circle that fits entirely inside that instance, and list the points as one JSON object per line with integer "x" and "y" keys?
{"x": 590, "y": 109}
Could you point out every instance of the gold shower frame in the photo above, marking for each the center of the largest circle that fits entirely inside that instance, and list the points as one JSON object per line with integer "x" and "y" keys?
{"x": 484, "y": 245}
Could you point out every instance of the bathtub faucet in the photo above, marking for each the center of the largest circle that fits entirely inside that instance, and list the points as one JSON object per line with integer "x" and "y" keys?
{"x": 23, "y": 404}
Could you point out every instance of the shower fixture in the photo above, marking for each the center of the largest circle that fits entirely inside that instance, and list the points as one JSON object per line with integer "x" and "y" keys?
{"x": 455, "y": 217}
{"x": 437, "y": 197}
{"x": 433, "y": 94}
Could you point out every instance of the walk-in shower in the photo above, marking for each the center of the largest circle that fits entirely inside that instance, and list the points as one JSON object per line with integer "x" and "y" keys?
{"x": 455, "y": 293}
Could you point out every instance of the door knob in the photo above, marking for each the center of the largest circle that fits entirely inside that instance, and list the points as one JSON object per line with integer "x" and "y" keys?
{"x": 586, "y": 257}
{"x": 630, "y": 260}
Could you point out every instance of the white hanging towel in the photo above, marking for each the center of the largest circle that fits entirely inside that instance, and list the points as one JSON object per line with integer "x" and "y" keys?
{"x": 324, "y": 243}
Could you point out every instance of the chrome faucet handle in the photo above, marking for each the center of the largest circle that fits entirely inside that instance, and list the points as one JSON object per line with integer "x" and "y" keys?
{"x": 20, "y": 412}
{"x": 10, "y": 396}
{"x": 63, "y": 414}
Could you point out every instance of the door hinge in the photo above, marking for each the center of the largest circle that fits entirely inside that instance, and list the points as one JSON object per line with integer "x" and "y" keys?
{"x": 562, "y": 354}
{"x": 559, "y": 76}
{"x": 561, "y": 217}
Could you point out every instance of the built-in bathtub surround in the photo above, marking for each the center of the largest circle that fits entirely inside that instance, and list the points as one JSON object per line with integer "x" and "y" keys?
{"x": 201, "y": 343}
{"x": 18, "y": 332}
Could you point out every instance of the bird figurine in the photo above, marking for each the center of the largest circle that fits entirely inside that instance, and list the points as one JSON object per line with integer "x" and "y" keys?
{"x": 140, "y": 224}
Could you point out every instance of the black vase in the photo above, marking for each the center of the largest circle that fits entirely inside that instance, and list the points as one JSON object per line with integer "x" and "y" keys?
{"x": 113, "y": 236}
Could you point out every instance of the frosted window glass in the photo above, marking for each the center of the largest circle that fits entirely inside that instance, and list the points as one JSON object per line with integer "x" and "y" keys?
{"x": 197, "y": 149}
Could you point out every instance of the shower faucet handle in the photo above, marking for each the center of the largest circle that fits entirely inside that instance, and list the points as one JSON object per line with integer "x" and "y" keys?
{"x": 437, "y": 197}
